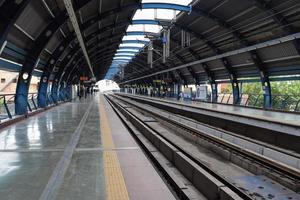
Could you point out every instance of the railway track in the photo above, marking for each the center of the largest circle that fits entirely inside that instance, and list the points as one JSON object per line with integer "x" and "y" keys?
{"x": 284, "y": 174}
{"x": 281, "y": 134}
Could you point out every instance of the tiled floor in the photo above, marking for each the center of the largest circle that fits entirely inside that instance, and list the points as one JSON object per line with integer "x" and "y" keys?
{"x": 31, "y": 150}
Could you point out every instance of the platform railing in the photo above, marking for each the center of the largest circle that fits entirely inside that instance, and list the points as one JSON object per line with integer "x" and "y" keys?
{"x": 49, "y": 99}
{"x": 289, "y": 103}
{"x": 32, "y": 102}
{"x": 7, "y": 105}
{"x": 279, "y": 102}
{"x": 286, "y": 102}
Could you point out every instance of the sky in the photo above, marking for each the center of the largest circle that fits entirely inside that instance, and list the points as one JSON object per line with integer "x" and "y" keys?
{"x": 146, "y": 14}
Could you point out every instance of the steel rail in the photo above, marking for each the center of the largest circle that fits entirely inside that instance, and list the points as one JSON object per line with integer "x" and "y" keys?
{"x": 233, "y": 187}
{"x": 280, "y": 167}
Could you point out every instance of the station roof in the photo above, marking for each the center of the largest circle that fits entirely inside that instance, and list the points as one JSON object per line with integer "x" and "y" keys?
{"x": 229, "y": 39}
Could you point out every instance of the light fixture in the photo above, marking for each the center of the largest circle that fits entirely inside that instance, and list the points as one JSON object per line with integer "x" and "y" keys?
{"x": 25, "y": 75}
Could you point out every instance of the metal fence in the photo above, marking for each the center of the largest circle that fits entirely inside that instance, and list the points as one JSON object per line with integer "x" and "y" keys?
{"x": 279, "y": 102}
{"x": 289, "y": 103}
{"x": 7, "y": 104}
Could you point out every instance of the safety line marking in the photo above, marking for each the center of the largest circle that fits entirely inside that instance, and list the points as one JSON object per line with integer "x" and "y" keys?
{"x": 56, "y": 179}
{"x": 61, "y": 149}
{"x": 107, "y": 149}
{"x": 114, "y": 180}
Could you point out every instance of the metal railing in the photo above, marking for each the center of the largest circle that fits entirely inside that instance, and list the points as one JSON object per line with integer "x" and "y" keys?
{"x": 279, "y": 102}
{"x": 289, "y": 103}
{"x": 7, "y": 105}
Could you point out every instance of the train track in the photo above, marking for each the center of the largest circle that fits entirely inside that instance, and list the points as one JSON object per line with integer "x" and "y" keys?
{"x": 280, "y": 134}
{"x": 282, "y": 170}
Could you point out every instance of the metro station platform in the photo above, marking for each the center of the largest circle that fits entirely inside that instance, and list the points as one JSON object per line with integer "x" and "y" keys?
{"x": 280, "y": 129}
{"x": 269, "y": 115}
{"x": 287, "y": 118}
{"x": 77, "y": 150}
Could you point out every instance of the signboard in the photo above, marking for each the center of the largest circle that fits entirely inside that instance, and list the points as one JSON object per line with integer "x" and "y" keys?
{"x": 168, "y": 80}
{"x": 84, "y": 78}
{"x": 156, "y": 81}
{"x": 201, "y": 92}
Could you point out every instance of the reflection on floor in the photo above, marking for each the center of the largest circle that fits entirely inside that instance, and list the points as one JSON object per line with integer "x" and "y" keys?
{"x": 34, "y": 152}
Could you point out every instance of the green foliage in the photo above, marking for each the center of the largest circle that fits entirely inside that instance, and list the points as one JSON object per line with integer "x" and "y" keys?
{"x": 252, "y": 88}
{"x": 226, "y": 88}
{"x": 291, "y": 90}
{"x": 286, "y": 94}
{"x": 286, "y": 88}
{"x": 278, "y": 88}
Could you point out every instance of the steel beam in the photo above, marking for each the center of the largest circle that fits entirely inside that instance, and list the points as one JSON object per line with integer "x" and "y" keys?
{"x": 231, "y": 53}
{"x": 48, "y": 69}
{"x": 73, "y": 19}
{"x": 9, "y": 13}
{"x": 41, "y": 41}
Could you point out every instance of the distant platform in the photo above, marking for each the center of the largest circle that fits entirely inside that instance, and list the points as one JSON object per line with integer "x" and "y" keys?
{"x": 287, "y": 118}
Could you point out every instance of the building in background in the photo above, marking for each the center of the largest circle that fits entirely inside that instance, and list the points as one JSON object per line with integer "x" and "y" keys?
{"x": 8, "y": 82}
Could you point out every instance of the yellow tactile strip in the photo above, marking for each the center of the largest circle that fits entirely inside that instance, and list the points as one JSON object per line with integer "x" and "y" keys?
{"x": 114, "y": 180}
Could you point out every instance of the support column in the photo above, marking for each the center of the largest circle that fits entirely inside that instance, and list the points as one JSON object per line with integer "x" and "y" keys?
{"x": 264, "y": 78}
{"x": 68, "y": 92}
{"x": 179, "y": 87}
{"x": 266, "y": 87}
{"x": 42, "y": 93}
{"x": 21, "y": 96}
{"x": 54, "y": 90}
{"x": 235, "y": 92}
{"x": 233, "y": 80}
{"x": 214, "y": 92}
{"x": 61, "y": 93}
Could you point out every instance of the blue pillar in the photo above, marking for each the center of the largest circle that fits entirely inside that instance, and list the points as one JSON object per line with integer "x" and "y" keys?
{"x": 42, "y": 93}
{"x": 21, "y": 96}
{"x": 54, "y": 90}
{"x": 235, "y": 92}
{"x": 78, "y": 90}
{"x": 266, "y": 87}
{"x": 61, "y": 93}
{"x": 68, "y": 92}
{"x": 214, "y": 92}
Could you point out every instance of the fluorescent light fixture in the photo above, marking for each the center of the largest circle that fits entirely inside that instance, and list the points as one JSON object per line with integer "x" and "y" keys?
{"x": 125, "y": 54}
{"x": 12, "y": 62}
{"x": 145, "y": 28}
{"x": 128, "y": 50}
{"x": 132, "y": 45}
{"x": 37, "y": 70}
{"x": 73, "y": 19}
{"x": 135, "y": 37}
{"x": 122, "y": 58}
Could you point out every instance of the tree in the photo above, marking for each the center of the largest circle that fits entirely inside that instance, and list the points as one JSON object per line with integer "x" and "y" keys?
{"x": 285, "y": 94}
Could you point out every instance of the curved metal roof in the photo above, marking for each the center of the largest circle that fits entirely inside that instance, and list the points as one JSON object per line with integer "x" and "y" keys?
{"x": 218, "y": 27}
{"x": 229, "y": 39}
